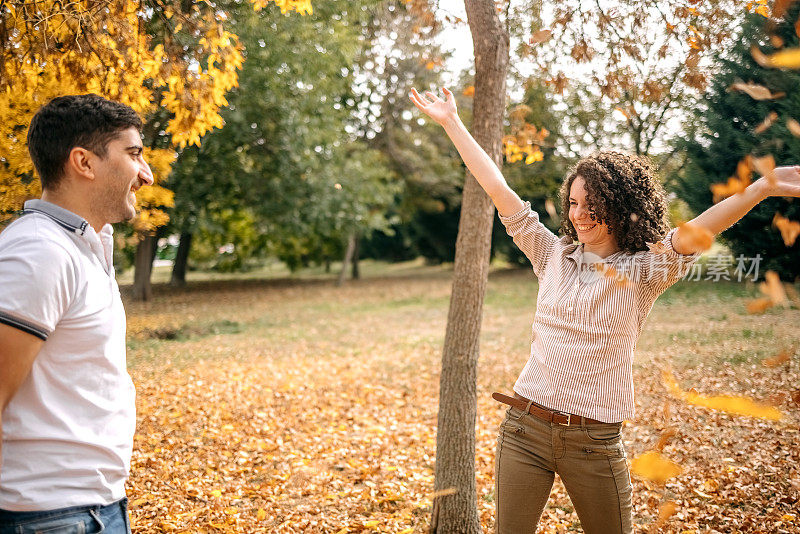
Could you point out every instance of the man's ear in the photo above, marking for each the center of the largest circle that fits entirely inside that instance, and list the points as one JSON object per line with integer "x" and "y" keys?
{"x": 81, "y": 163}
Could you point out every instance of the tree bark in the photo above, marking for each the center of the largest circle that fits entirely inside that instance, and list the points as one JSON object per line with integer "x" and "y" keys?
{"x": 178, "y": 278}
{"x": 143, "y": 267}
{"x": 455, "y": 441}
{"x": 356, "y": 251}
{"x": 348, "y": 256}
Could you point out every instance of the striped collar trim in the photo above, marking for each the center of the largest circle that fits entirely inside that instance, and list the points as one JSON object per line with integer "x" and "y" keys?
{"x": 64, "y": 218}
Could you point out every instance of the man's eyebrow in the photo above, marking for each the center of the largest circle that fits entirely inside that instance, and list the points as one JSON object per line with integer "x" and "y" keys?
{"x": 134, "y": 147}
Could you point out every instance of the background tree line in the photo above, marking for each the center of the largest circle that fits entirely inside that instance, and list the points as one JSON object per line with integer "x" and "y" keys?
{"x": 322, "y": 158}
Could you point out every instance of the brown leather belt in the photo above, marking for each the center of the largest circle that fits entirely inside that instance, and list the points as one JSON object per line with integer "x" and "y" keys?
{"x": 551, "y": 416}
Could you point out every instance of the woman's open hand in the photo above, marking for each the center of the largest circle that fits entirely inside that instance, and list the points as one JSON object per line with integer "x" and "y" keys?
{"x": 434, "y": 107}
{"x": 784, "y": 182}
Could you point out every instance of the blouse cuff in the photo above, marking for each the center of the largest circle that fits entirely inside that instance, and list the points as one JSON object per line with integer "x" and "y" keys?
{"x": 517, "y": 217}
{"x": 670, "y": 248}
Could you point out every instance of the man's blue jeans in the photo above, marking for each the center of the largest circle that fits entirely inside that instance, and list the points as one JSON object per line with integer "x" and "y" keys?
{"x": 111, "y": 519}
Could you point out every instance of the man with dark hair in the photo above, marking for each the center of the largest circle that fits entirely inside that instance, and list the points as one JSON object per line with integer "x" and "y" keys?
{"x": 68, "y": 412}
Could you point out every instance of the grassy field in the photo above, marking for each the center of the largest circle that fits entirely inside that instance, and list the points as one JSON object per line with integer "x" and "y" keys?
{"x": 293, "y": 405}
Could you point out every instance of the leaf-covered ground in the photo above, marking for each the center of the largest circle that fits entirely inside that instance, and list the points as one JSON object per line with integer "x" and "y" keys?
{"x": 297, "y": 406}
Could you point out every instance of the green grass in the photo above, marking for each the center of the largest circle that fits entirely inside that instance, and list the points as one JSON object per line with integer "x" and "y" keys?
{"x": 406, "y": 305}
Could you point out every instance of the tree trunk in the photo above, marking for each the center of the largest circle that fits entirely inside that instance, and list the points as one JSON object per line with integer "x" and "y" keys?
{"x": 455, "y": 440}
{"x": 143, "y": 267}
{"x": 348, "y": 256}
{"x": 356, "y": 251}
{"x": 181, "y": 260}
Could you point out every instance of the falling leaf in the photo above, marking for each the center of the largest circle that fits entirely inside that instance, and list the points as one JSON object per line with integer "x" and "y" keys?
{"x": 541, "y": 36}
{"x": 792, "y": 293}
{"x": 469, "y": 91}
{"x": 655, "y": 466}
{"x": 620, "y": 280}
{"x": 788, "y": 58}
{"x": 779, "y": 359}
{"x": 776, "y": 41}
{"x": 759, "y": 305}
{"x": 757, "y": 92}
{"x": 696, "y": 237}
{"x": 665, "y": 511}
{"x": 789, "y": 229}
{"x": 444, "y": 492}
{"x": 772, "y": 288}
{"x": 766, "y": 123}
{"x": 550, "y": 207}
{"x": 658, "y": 247}
{"x": 732, "y": 187}
{"x": 764, "y": 166}
{"x": 793, "y": 126}
{"x": 724, "y": 403}
{"x": 666, "y": 435}
{"x": 744, "y": 169}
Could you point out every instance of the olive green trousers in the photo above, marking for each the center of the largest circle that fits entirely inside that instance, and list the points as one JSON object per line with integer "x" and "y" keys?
{"x": 589, "y": 458}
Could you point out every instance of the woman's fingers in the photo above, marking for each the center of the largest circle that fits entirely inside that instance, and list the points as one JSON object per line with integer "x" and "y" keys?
{"x": 420, "y": 98}
{"x": 432, "y": 96}
{"x": 415, "y": 98}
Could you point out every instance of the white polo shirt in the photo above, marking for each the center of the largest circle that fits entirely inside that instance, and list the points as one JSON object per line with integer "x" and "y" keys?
{"x": 68, "y": 431}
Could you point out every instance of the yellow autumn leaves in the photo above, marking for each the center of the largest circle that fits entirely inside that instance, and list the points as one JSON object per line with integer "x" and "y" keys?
{"x": 525, "y": 140}
{"x": 104, "y": 48}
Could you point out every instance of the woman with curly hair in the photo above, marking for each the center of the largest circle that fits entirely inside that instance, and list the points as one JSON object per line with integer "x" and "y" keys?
{"x": 597, "y": 285}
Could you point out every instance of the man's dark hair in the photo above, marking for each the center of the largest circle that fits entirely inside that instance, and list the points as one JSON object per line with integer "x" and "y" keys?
{"x": 86, "y": 121}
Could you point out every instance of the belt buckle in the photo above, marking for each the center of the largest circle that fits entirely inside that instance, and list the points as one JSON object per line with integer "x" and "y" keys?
{"x": 569, "y": 418}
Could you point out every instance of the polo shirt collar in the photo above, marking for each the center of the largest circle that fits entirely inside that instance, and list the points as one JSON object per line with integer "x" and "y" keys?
{"x": 63, "y": 217}
{"x": 102, "y": 243}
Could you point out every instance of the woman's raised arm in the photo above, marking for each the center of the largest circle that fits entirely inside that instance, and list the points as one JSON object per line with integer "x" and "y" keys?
{"x": 477, "y": 160}
{"x": 783, "y": 182}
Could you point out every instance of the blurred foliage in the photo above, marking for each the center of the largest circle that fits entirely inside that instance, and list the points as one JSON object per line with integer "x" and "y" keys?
{"x": 722, "y": 132}
{"x": 286, "y": 144}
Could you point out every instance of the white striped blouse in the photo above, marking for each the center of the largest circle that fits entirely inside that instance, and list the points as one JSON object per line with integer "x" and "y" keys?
{"x": 589, "y": 315}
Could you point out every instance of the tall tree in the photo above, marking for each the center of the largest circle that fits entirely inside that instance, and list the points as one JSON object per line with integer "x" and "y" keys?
{"x": 455, "y": 440}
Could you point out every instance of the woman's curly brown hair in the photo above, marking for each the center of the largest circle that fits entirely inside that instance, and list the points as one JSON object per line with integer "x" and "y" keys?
{"x": 623, "y": 192}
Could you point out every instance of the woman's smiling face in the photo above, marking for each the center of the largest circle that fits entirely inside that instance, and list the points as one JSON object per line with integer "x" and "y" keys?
{"x": 589, "y": 230}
